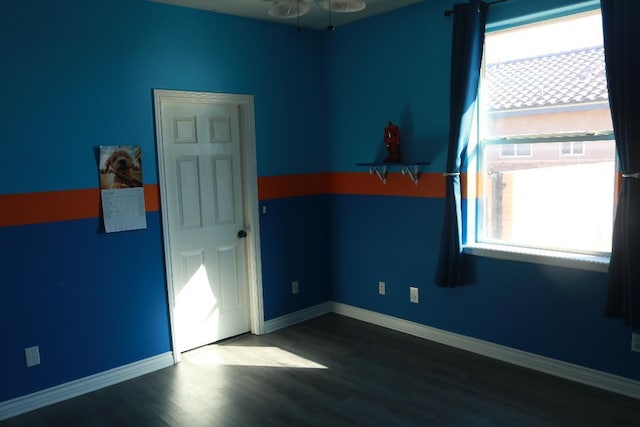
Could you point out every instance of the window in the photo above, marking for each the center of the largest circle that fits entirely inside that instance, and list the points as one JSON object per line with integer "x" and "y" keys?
{"x": 545, "y": 155}
{"x": 515, "y": 150}
{"x": 572, "y": 148}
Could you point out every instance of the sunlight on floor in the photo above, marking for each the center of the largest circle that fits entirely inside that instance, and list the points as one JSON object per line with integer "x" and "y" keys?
{"x": 273, "y": 357}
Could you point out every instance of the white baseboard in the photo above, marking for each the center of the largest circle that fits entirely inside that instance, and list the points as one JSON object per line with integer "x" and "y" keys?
{"x": 603, "y": 380}
{"x": 297, "y": 317}
{"x": 30, "y": 402}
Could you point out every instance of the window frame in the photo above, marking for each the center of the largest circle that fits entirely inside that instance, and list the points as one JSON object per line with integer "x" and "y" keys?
{"x": 587, "y": 261}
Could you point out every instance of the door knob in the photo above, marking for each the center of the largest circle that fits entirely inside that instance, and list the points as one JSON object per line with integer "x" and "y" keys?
{"x": 242, "y": 234}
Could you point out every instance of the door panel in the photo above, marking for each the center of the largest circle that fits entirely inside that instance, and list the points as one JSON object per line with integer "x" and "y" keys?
{"x": 228, "y": 260}
{"x": 202, "y": 169}
{"x": 188, "y": 182}
{"x": 223, "y": 177}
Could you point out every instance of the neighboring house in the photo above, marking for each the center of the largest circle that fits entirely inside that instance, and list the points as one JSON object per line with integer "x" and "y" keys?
{"x": 557, "y": 94}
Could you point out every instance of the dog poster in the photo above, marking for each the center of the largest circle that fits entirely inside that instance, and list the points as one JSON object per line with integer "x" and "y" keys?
{"x": 121, "y": 188}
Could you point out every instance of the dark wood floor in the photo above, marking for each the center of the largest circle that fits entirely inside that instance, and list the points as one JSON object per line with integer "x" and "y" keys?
{"x": 336, "y": 371}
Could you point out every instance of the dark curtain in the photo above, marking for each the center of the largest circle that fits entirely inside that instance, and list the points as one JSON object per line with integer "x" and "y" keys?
{"x": 621, "y": 33}
{"x": 466, "y": 57}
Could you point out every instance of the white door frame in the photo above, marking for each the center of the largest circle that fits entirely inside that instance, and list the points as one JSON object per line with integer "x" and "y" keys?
{"x": 244, "y": 103}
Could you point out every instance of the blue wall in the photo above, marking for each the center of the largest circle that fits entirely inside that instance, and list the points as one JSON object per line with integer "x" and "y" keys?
{"x": 399, "y": 66}
{"x": 295, "y": 246}
{"x": 552, "y": 311}
{"x": 79, "y": 74}
{"x": 90, "y": 301}
{"x": 390, "y": 67}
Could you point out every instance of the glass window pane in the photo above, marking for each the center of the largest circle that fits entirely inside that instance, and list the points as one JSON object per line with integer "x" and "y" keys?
{"x": 507, "y": 150}
{"x": 547, "y": 201}
{"x": 542, "y": 89}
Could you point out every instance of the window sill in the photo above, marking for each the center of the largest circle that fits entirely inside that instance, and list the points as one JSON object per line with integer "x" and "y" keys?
{"x": 538, "y": 256}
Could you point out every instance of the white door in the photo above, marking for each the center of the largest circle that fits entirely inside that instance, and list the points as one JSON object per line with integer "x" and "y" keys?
{"x": 203, "y": 219}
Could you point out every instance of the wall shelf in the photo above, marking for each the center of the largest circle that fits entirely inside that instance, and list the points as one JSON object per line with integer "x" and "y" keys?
{"x": 411, "y": 169}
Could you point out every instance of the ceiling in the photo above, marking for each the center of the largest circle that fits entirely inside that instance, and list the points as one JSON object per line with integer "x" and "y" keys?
{"x": 317, "y": 18}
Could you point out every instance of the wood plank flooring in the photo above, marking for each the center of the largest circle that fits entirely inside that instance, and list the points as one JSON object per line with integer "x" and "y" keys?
{"x": 336, "y": 371}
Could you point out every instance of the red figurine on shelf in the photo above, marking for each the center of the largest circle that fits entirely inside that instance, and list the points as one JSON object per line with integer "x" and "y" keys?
{"x": 392, "y": 142}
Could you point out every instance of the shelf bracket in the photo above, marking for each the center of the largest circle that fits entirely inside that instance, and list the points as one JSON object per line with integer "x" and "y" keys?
{"x": 414, "y": 174}
{"x": 382, "y": 174}
{"x": 413, "y": 170}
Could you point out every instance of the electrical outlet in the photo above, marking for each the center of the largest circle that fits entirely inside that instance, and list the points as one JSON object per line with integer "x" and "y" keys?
{"x": 413, "y": 295}
{"x": 294, "y": 287}
{"x": 381, "y": 288}
{"x": 32, "y": 356}
{"x": 635, "y": 342}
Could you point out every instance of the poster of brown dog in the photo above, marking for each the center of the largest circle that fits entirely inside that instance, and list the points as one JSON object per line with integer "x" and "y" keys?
{"x": 120, "y": 167}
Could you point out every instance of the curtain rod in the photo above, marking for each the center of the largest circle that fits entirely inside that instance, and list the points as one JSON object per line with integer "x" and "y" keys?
{"x": 450, "y": 12}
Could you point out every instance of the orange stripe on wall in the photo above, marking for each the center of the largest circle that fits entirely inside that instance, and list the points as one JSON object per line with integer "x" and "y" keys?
{"x": 35, "y": 208}
{"x": 152, "y": 197}
{"x": 429, "y": 185}
{"x": 53, "y": 206}
{"x": 283, "y": 186}
{"x": 361, "y": 183}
